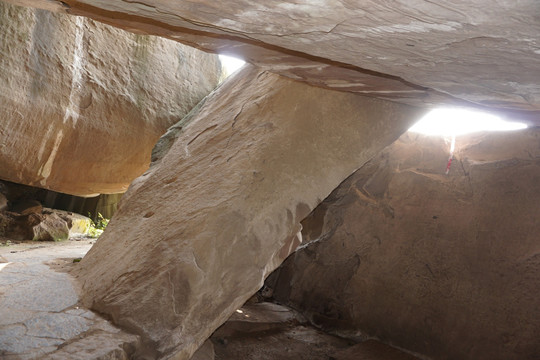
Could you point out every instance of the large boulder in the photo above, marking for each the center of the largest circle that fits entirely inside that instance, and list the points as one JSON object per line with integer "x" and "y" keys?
{"x": 422, "y": 52}
{"x": 82, "y": 103}
{"x": 196, "y": 235}
{"x": 447, "y": 266}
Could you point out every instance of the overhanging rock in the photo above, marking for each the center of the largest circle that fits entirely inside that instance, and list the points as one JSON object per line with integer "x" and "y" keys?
{"x": 423, "y": 52}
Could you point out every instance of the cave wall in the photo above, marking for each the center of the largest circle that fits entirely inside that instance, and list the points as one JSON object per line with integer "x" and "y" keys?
{"x": 447, "y": 266}
{"x": 83, "y": 103}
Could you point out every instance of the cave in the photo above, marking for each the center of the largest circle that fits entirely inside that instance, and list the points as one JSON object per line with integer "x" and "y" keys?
{"x": 287, "y": 211}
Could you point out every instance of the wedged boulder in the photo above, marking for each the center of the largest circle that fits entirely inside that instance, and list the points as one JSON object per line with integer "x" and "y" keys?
{"x": 196, "y": 235}
{"x": 83, "y": 103}
{"x": 444, "y": 266}
{"x": 422, "y": 52}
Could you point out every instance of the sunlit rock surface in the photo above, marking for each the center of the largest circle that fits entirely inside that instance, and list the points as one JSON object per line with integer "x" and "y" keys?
{"x": 82, "y": 103}
{"x": 420, "y": 52}
{"x": 447, "y": 266}
{"x": 196, "y": 235}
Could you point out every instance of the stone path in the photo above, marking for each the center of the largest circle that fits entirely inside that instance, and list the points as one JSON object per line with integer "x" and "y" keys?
{"x": 39, "y": 313}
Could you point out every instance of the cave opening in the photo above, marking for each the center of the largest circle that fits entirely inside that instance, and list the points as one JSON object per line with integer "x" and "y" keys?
{"x": 231, "y": 64}
{"x": 453, "y": 121}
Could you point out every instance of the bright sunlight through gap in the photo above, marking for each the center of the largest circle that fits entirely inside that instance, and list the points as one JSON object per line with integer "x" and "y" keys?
{"x": 231, "y": 64}
{"x": 457, "y": 121}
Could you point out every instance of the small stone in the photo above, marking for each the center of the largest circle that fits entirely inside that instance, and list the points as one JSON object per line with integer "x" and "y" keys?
{"x": 52, "y": 228}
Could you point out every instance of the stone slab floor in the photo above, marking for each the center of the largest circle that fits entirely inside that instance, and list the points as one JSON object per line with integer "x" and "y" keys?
{"x": 40, "y": 318}
{"x": 39, "y": 313}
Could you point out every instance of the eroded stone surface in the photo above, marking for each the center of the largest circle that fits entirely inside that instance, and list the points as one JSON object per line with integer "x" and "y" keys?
{"x": 480, "y": 51}
{"x": 82, "y": 103}
{"x": 196, "y": 235}
{"x": 445, "y": 266}
{"x": 39, "y": 314}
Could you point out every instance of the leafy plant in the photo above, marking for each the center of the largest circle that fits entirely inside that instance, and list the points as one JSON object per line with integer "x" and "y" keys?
{"x": 97, "y": 227}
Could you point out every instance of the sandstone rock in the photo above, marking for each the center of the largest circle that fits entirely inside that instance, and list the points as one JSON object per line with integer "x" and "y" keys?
{"x": 76, "y": 223}
{"x": 83, "y": 103}
{"x": 444, "y": 266}
{"x": 26, "y": 207}
{"x": 423, "y": 52}
{"x": 51, "y": 228}
{"x": 195, "y": 236}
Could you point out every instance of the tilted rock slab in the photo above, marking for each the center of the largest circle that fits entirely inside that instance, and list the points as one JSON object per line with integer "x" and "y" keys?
{"x": 195, "y": 236}
{"x": 447, "y": 266}
{"x": 82, "y": 103}
{"x": 422, "y": 52}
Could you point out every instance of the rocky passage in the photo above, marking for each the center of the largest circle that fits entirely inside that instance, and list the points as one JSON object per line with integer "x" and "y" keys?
{"x": 443, "y": 266}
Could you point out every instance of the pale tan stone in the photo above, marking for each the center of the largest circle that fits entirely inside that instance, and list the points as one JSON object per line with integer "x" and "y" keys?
{"x": 195, "y": 236}
{"x": 422, "y": 52}
{"x": 82, "y": 103}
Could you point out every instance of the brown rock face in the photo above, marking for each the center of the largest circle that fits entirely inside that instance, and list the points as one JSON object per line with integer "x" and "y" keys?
{"x": 446, "y": 266}
{"x": 83, "y": 103}
{"x": 195, "y": 236}
{"x": 479, "y": 52}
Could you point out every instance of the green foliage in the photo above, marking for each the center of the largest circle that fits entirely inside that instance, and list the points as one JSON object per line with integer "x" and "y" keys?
{"x": 97, "y": 227}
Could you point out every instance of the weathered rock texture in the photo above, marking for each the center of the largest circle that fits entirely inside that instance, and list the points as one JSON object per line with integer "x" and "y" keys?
{"x": 446, "y": 266}
{"x": 195, "y": 236}
{"x": 43, "y": 225}
{"x": 479, "y": 51}
{"x": 82, "y": 103}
